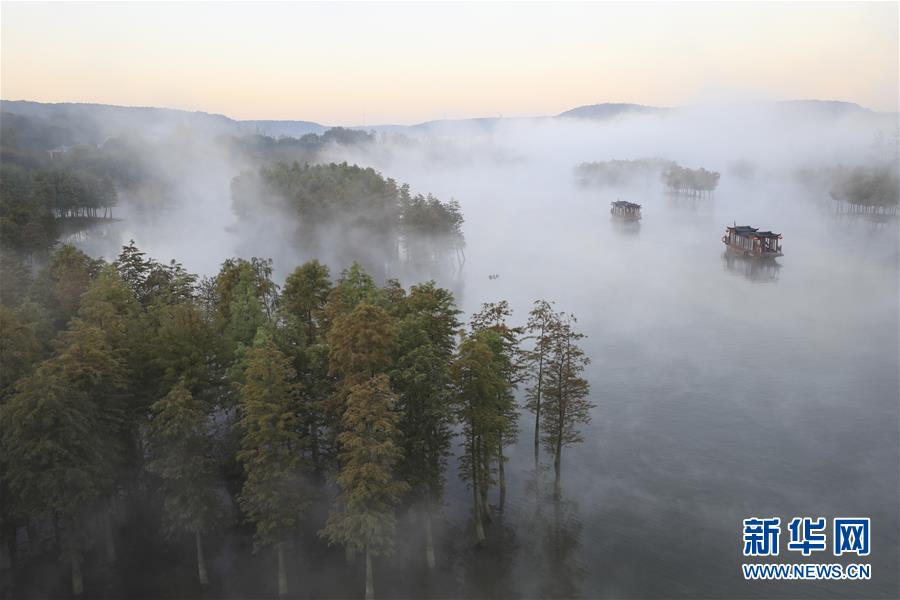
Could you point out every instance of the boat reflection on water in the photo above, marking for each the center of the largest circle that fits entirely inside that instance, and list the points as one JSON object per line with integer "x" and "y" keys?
{"x": 752, "y": 269}
{"x": 626, "y": 216}
{"x": 626, "y": 227}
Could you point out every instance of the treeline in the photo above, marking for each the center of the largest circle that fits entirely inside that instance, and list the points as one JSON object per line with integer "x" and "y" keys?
{"x": 677, "y": 179}
{"x": 621, "y": 172}
{"x": 340, "y": 209}
{"x": 32, "y": 201}
{"x": 232, "y": 400}
{"x": 691, "y": 182}
{"x": 874, "y": 190}
{"x": 307, "y": 148}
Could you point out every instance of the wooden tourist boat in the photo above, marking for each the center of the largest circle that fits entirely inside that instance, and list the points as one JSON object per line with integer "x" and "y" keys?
{"x": 751, "y": 242}
{"x": 626, "y": 211}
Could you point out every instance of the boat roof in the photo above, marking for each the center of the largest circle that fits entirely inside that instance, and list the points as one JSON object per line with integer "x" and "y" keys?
{"x": 623, "y": 204}
{"x": 746, "y": 230}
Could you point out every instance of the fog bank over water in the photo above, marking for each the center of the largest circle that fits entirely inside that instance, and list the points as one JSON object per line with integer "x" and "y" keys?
{"x": 723, "y": 389}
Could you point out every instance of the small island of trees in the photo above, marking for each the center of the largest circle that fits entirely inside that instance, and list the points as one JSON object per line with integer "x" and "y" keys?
{"x": 345, "y": 207}
{"x": 695, "y": 183}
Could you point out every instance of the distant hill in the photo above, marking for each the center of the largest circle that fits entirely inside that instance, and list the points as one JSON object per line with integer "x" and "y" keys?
{"x": 282, "y": 128}
{"x": 609, "y": 110}
{"x": 825, "y": 108}
{"x": 92, "y": 123}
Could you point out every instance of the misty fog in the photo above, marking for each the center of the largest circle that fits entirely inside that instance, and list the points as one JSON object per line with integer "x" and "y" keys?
{"x": 722, "y": 389}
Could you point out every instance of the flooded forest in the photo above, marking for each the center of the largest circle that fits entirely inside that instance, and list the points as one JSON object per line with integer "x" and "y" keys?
{"x": 425, "y": 362}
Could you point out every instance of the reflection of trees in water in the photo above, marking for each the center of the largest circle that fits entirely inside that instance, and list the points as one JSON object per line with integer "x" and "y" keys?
{"x": 556, "y": 529}
{"x": 487, "y": 571}
{"x": 81, "y": 229}
{"x": 752, "y": 269}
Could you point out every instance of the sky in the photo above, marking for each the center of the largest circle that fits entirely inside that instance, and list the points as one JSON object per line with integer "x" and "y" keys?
{"x": 372, "y": 63}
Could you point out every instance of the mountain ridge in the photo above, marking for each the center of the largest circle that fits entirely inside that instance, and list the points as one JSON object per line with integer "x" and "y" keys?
{"x": 109, "y": 116}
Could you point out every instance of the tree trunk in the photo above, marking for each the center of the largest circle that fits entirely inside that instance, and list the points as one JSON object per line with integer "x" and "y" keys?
{"x": 282, "y": 573}
{"x": 6, "y": 545}
{"x": 429, "y": 538}
{"x": 201, "y": 560}
{"x": 108, "y": 536}
{"x": 557, "y": 466}
{"x": 370, "y": 580}
{"x": 479, "y": 527}
{"x": 537, "y": 409}
{"x": 77, "y": 579}
{"x": 502, "y": 473}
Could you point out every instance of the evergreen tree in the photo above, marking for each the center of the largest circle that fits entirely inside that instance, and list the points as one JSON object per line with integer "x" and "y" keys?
{"x": 364, "y": 515}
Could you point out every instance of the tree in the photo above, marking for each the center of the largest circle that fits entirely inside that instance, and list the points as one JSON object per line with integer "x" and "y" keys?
{"x": 19, "y": 350}
{"x": 275, "y": 493}
{"x": 303, "y": 335}
{"x": 541, "y": 321}
{"x": 305, "y": 294}
{"x": 508, "y": 357}
{"x": 52, "y": 463}
{"x": 566, "y": 396}
{"x": 361, "y": 343}
{"x": 182, "y": 456}
{"x": 478, "y": 383}
{"x": 60, "y": 284}
{"x": 61, "y": 435}
{"x": 364, "y": 515}
{"x": 421, "y": 377}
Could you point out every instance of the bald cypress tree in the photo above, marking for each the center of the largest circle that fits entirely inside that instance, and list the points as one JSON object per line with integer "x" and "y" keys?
{"x": 507, "y": 359}
{"x": 421, "y": 376}
{"x": 305, "y": 294}
{"x": 61, "y": 437}
{"x": 542, "y": 320}
{"x": 52, "y": 461}
{"x": 478, "y": 383}
{"x": 275, "y": 493}
{"x": 363, "y": 518}
{"x": 182, "y": 456}
{"x": 567, "y": 403}
{"x": 360, "y": 347}
{"x": 302, "y": 307}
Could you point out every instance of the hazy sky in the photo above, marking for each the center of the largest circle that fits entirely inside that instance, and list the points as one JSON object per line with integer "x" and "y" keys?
{"x": 348, "y": 63}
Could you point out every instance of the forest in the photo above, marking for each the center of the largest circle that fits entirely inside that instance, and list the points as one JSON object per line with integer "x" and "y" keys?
{"x": 328, "y": 422}
{"x": 233, "y": 402}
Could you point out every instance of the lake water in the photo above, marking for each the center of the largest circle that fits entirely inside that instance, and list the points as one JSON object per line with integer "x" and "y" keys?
{"x": 723, "y": 390}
